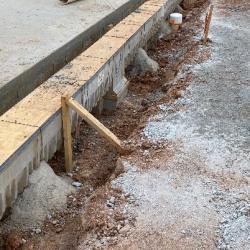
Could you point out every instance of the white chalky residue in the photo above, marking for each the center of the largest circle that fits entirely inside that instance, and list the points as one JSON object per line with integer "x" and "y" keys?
{"x": 158, "y": 198}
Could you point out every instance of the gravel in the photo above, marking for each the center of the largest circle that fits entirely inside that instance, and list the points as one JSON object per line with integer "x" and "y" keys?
{"x": 197, "y": 195}
{"x": 46, "y": 192}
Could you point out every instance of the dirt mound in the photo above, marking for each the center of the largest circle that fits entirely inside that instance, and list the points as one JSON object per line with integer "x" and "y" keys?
{"x": 46, "y": 192}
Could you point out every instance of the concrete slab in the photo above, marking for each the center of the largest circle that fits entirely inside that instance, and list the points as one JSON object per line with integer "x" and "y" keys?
{"x": 40, "y": 37}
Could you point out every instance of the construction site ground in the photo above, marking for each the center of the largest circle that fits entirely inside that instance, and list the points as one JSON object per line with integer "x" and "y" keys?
{"x": 184, "y": 184}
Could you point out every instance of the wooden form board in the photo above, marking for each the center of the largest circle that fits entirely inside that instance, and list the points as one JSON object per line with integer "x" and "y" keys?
{"x": 91, "y": 120}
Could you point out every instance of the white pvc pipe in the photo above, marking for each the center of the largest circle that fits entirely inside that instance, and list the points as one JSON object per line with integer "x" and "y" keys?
{"x": 175, "y": 18}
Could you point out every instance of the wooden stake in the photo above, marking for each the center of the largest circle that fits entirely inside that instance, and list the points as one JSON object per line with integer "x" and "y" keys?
{"x": 67, "y": 134}
{"x": 92, "y": 121}
{"x": 207, "y": 23}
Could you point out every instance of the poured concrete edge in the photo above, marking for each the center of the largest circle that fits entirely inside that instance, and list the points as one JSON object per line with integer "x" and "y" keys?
{"x": 37, "y": 134}
{"x": 16, "y": 89}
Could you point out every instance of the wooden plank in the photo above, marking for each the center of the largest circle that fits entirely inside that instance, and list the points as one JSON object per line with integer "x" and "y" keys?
{"x": 92, "y": 121}
{"x": 67, "y": 134}
{"x": 208, "y": 22}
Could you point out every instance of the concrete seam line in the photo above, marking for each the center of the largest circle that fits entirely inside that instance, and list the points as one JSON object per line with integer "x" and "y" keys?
{"x": 20, "y": 123}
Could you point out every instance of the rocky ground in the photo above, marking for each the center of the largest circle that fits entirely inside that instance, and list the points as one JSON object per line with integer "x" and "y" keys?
{"x": 185, "y": 184}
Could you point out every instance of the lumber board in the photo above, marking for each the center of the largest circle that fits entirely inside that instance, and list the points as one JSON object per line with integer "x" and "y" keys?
{"x": 92, "y": 121}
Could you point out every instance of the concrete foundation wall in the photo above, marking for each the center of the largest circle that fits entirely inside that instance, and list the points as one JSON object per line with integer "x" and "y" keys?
{"x": 16, "y": 89}
{"x": 88, "y": 78}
